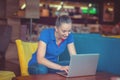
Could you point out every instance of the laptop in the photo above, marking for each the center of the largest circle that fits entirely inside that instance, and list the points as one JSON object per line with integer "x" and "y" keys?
{"x": 82, "y": 65}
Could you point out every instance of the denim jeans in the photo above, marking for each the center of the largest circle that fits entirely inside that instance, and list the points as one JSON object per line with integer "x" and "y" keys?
{"x": 41, "y": 69}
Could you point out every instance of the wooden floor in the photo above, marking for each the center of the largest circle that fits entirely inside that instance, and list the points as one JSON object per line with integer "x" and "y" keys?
{"x": 11, "y": 63}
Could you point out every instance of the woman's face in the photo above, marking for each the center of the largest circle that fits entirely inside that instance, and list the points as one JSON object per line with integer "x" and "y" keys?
{"x": 64, "y": 30}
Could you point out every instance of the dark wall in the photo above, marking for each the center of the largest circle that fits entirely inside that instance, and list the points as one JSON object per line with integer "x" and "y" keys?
{"x": 117, "y": 11}
{"x": 2, "y": 8}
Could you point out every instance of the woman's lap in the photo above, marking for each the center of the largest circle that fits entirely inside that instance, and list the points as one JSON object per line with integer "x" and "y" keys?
{"x": 37, "y": 69}
{"x": 41, "y": 69}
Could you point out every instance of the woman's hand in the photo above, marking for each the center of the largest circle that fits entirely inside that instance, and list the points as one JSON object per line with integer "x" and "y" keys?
{"x": 64, "y": 68}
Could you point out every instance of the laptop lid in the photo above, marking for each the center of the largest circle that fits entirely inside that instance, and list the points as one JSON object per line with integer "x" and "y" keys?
{"x": 82, "y": 65}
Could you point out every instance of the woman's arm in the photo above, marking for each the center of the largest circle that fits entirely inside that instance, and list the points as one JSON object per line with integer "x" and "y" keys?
{"x": 71, "y": 49}
{"x": 41, "y": 57}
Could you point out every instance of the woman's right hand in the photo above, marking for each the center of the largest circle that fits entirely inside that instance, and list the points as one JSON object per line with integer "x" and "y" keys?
{"x": 64, "y": 68}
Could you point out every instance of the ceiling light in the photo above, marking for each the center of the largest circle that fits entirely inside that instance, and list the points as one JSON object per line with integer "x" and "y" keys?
{"x": 23, "y": 6}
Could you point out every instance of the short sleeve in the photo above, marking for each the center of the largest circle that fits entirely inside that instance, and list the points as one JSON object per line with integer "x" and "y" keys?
{"x": 44, "y": 35}
{"x": 70, "y": 38}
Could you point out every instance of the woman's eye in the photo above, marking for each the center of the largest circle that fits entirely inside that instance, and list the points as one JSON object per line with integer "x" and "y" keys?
{"x": 67, "y": 31}
{"x": 70, "y": 31}
{"x": 63, "y": 31}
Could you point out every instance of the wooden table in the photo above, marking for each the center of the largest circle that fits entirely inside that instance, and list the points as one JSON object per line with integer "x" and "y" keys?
{"x": 98, "y": 76}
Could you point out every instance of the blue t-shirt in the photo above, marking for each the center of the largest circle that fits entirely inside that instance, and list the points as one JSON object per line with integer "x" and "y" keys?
{"x": 52, "y": 49}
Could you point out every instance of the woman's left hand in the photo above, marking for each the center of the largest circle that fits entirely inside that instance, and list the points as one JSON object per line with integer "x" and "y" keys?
{"x": 64, "y": 68}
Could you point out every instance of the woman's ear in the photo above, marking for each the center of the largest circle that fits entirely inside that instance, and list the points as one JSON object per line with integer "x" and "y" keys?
{"x": 56, "y": 29}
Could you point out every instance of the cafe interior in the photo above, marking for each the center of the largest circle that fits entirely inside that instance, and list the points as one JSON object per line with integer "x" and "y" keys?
{"x": 95, "y": 22}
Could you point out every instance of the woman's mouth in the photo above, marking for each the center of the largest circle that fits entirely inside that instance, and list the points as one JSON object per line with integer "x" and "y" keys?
{"x": 65, "y": 37}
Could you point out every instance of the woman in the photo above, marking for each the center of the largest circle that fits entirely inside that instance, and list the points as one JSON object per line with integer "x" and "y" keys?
{"x": 52, "y": 42}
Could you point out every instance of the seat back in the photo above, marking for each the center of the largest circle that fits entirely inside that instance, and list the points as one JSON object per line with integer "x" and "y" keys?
{"x": 25, "y": 51}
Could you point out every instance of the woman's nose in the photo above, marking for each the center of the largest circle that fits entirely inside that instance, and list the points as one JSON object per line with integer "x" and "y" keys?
{"x": 67, "y": 33}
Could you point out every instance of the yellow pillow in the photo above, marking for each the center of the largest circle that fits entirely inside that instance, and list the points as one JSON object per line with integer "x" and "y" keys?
{"x": 6, "y": 75}
{"x": 112, "y": 36}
